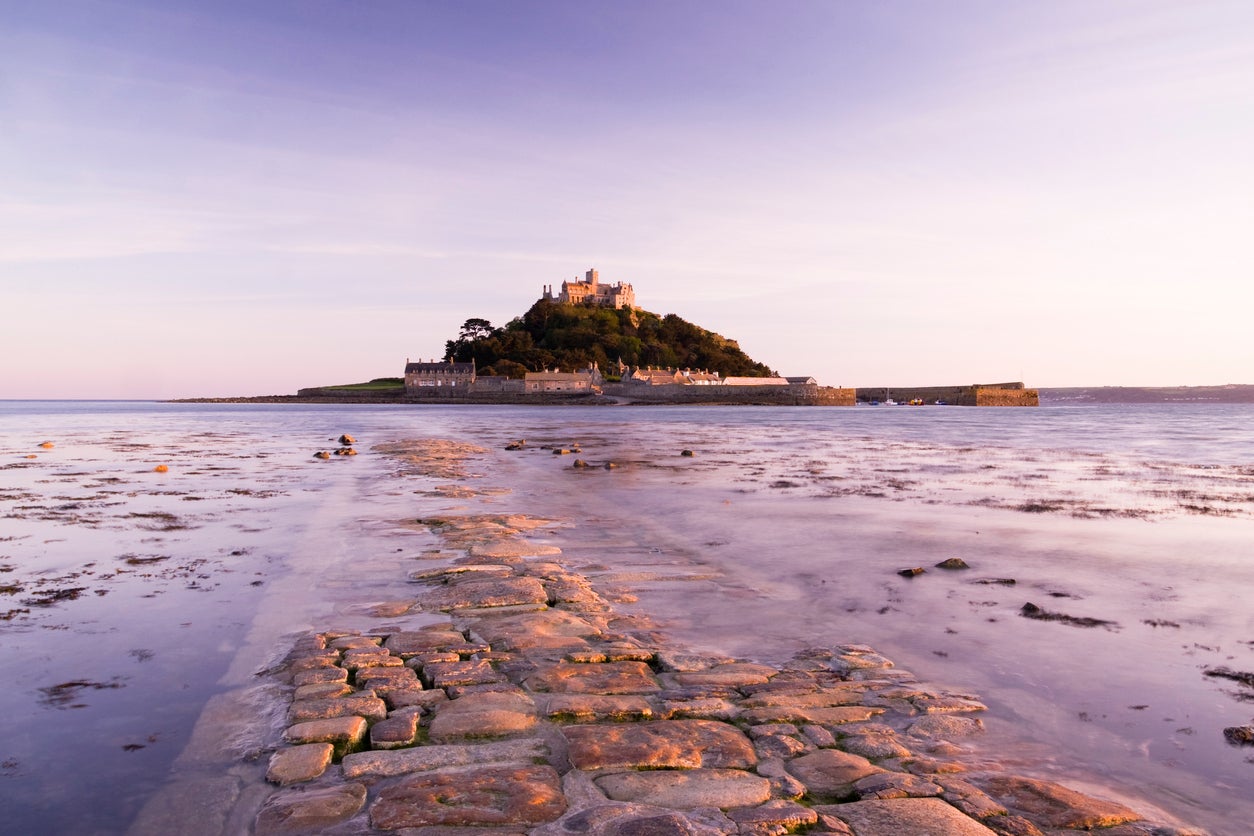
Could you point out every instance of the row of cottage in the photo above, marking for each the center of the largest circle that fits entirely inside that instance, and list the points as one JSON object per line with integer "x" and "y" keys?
{"x": 421, "y": 378}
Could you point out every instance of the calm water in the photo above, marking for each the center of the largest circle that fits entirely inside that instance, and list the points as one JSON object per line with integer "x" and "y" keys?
{"x": 131, "y": 597}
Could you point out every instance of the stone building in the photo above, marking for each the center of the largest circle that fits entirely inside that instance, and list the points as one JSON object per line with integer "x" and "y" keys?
{"x": 584, "y": 380}
{"x": 618, "y": 295}
{"x": 438, "y": 375}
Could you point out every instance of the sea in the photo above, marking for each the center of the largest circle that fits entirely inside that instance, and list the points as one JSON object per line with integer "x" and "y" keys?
{"x": 157, "y": 558}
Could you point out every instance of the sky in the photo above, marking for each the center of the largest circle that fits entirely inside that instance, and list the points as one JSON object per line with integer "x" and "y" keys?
{"x": 241, "y": 198}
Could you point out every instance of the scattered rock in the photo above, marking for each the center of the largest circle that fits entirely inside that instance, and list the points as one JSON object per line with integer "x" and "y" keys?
{"x": 1241, "y": 677}
{"x": 911, "y": 573}
{"x": 579, "y": 463}
{"x": 1031, "y": 610}
{"x": 905, "y": 817}
{"x": 997, "y": 581}
{"x": 480, "y": 715}
{"x": 830, "y": 773}
{"x": 347, "y": 439}
{"x": 161, "y": 468}
{"x": 661, "y": 744}
{"x": 47, "y": 445}
{"x": 687, "y": 453}
{"x": 953, "y": 563}
{"x": 1052, "y": 805}
{"x": 516, "y": 445}
{"x": 1240, "y": 735}
{"x": 322, "y": 454}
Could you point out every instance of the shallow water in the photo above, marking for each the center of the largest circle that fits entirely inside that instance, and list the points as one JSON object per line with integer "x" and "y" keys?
{"x": 188, "y": 580}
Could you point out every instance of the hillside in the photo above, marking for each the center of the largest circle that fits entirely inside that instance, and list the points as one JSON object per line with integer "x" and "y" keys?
{"x": 566, "y": 337}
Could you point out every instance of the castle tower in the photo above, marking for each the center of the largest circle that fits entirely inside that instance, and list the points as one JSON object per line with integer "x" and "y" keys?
{"x": 592, "y": 276}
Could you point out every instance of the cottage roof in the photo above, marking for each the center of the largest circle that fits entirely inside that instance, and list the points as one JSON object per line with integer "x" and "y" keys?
{"x": 801, "y": 379}
{"x": 440, "y": 368}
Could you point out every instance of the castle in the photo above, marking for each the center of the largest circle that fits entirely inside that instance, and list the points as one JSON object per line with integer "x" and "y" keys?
{"x": 618, "y": 295}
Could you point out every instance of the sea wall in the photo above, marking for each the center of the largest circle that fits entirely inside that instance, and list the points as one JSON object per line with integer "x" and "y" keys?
{"x": 794, "y": 395}
{"x": 979, "y": 394}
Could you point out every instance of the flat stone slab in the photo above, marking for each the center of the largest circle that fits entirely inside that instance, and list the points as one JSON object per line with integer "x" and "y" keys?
{"x": 685, "y": 789}
{"x": 586, "y": 708}
{"x": 660, "y": 744}
{"x": 424, "y": 758}
{"x": 625, "y": 819}
{"x": 341, "y": 732}
{"x": 842, "y": 694}
{"x": 513, "y": 548}
{"x": 535, "y": 630}
{"x": 734, "y": 674}
{"x": 492, "y": 795}
{"x": 604, "y": 678}
{"x": 483, "y": 714}
{"x": 905, "y": 817}
{"x": 486, "y": 592}
{"x": 830, "y": 773}
{"x": 469, "y": 672}
{"x": 773, "y": 817}
{"x": 444, "y": 640}
{"x": 299, "y": 763}
{"x": 390, "y": 677}
{"x": 395, "y": 732}
{"x": 836, "y": 716}
{"x": 361, "y": 705}
{"x": 310, "y": 811}
{"x": 1052, "y": 805}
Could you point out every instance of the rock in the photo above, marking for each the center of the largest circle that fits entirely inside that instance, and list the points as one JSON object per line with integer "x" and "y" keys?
{"x": 844, "y": 693}
{"x": 896, "y": 785}
{"x": 314, "y": 676}
{"x": 487, "y": 714}
{"x": 953, "y": 563}
{"x": 585, "y": 708}
{"x": 624, "y": 819}
{"x": 905, "y": 817}
{"x": 703, "y": 708}
{"x": 1240, "y": 735}
{"x": 660, "y": 744}
{"x": 687, "y": 453}
{"x": 579, "y": 463}
{"x": 424, "y": 758}
{"x": 834, "y": 716}
{"x": 469, "y": 672}
{"x": 310, "y": 811}
{"x": 969, "y": 799}
{"x": 945, "y": 726}
{"x": 911, "y": 573}
{"x": 491, "y": 795}
{"x": 395, "y": 732}
{"x": 876, "y": 745}
{"x": 610, "y": 465}
{"x": 443, "y": 639}
{"x": 780, "y": 746}
{"x": 299, "y": 763}
{"x": 773, "y": 818}
{"x": 322, "y": 691}
{"x": 347, "y": 439}
{"x": 1053, "y": 805}
{"x": 830, "y": 773}
{"x": 560, "y": 451}
{"x": 322, "y": 454}
{"x": 161, "y": 468}
{"x": 998, "y": 581}
{"x": 1031, "y": 610}
{"x": 688, "y": 788}
{"x": 516, "y": 445}
{"x": 362, "y": 705}
{"x": 607, "y": 678}
{"x": 346, "y": 451}
{"x": 373, "y": 677}
{"x": 486, "y": 592}
{"x": 734, "y": 674}
{"x": 343, "y": 733}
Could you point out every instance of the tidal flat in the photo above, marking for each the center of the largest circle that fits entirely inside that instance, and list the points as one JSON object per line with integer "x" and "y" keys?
{"x": 137, "y": 604}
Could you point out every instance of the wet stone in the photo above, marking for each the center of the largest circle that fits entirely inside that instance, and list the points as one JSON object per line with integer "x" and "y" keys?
{"x": 905, "y": 817}
{"x": 661, "y": 744}
{"x": 1053, "y": 805}
{"x": 609, "y": 678}
{"x": 392, "y": 677}
{"x": 468, "y": 672}
{"x": 813, "y": 697}
{"x": 424, "y": 758}
{"x": 896, "y": 785}
{"x": 488, "y": 714}
{"x": 773, "y": 818}
{"x": 627, "y": 819}
{"x": 363, "y": 705}
{"x": 377, "y": 658}
{"x": 711, "y": 708}
{"x": 585, "y": 708}
{"x": 299, "y": 763}
{"x": 486, "y": 593}
{"x": 310, "y": 811}
{"x": 687, "y": 788}
{"x": 830, "y": 773}
{"x": 969, "y": 799}
{"x": 445, "y": 640}
{"x": 395, "y": 732}
{"x": 875, "y": 745}
{"x": 318, "y": 675}
{"x": 321, "y": 691}
{"x": 835, "y": 716}
{"x": 343, "y": 733}
{"x": 945, "y": 726}
{"x": 352, "y": 642}
{"x": 939, "y": 705}
{"x": 734, "y": 674}
{"x": 493, "y": 795}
